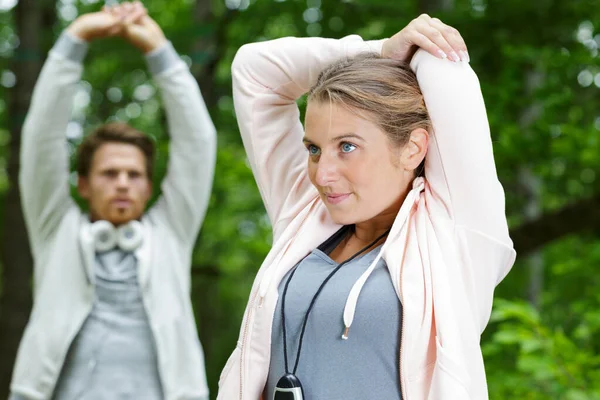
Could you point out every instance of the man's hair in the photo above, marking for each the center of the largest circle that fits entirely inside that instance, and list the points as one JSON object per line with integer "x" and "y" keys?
{"x": 114, "y": 132}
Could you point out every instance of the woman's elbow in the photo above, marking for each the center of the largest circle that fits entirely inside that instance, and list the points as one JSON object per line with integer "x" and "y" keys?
{"x": 244, "y": 57}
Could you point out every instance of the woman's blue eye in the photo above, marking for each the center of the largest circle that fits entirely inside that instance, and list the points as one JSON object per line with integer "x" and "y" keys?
{"x": 347, "y": 147}
{"x": 313, "y": 150}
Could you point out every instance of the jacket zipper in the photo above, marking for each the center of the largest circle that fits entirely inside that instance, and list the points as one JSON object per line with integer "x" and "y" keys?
{"x": 403, "y": 304}
{"x": 402, "y": 385}
{"x": 247, "y": 324}
{"x": 244, "y": 337}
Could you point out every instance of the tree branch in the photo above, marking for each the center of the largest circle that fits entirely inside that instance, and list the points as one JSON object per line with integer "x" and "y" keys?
{"x": 573, "y": 218}
{"x": 32, "y": 19}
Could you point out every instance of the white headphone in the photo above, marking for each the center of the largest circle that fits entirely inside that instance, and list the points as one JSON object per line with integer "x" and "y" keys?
{"x": 127, "y": 237}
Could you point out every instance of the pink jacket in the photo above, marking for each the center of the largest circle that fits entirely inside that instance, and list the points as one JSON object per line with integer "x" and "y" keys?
{"x": 449, "y": 246}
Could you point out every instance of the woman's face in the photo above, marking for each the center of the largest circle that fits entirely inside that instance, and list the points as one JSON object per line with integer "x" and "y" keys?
{"x": 359, "y": 174}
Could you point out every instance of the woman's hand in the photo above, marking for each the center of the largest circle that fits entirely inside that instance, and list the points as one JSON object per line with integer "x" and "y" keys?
{"x": 430, "y": 34}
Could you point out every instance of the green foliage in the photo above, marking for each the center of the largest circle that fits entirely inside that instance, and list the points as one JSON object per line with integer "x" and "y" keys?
{"x": 539, "y": 70}
{"x": 540, "y": 361}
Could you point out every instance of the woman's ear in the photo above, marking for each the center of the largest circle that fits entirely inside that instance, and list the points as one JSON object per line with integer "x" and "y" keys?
{"x": 415, "y": 150}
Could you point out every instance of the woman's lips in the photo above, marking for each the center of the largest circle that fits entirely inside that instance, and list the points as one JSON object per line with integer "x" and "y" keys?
{"x": 336, "y": 198}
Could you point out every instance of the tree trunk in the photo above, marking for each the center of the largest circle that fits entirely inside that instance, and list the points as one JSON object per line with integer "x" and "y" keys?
{"x": 580, "y": 216}
{"x": 531, "y": 185}
{"x": 431, "y": 6}
{"x": 206, "y": 53}
{"x": 209, "y": 48}
{"x": 15, "y": 256}
{"x": 535, "y": 260}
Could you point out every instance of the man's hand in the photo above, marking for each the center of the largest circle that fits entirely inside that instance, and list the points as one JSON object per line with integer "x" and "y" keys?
{"x": 430, "y": 34}
{"x": 145, "y": 34}
{"x": 138, "y": 28}
{"x": 109, "y": 22}
{"x": 95, "y": 25}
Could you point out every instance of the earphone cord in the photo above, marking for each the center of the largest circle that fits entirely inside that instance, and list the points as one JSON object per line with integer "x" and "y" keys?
{"x": 312, "y": 302}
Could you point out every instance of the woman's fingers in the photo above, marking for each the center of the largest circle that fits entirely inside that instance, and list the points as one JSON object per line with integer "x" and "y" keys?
{"x": 439, "y": 39}
{"x": 423, "y": 41}
{"x": 430, "y": 34}
{"x": 452, "y": 38}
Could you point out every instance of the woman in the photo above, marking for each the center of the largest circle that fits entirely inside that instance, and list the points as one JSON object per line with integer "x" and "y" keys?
{"x": 380, "y": 280}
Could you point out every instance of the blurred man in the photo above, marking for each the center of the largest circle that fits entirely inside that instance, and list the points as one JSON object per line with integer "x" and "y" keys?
{"x": 112, "y": 318}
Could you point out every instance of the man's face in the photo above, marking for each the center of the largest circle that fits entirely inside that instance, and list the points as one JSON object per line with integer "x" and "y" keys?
{"x": 117, "y": 187}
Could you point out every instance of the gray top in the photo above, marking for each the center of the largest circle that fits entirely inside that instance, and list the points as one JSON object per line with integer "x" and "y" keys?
{"x": 113, "y": 355}
{"x": 366, "y": 366}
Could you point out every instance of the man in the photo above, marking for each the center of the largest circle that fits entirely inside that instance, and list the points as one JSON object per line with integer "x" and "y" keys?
{"x": 112, "y": 318}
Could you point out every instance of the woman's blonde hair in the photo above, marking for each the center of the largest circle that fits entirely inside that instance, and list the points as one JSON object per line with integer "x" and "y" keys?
{"x": 385, "y": 90}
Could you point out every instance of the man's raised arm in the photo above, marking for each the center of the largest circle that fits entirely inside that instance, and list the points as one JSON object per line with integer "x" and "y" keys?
{"x": 44, "y": 163}
{"x": 192, "y": 149}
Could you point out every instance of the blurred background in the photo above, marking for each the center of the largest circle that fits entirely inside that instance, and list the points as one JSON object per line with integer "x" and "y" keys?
{"x": 539, "y": 68}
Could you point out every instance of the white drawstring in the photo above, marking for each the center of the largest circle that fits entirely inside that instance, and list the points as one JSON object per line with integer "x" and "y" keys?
{"x": 411, "y": 199}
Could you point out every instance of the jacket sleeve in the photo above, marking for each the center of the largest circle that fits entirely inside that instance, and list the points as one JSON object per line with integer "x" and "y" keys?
{"x": 268, "y": 78}
{"x": 460, "y": 165}
{"x": 462, "y": 176}
{"x": 192, "y": 147}
{"x": 44, "y": 161}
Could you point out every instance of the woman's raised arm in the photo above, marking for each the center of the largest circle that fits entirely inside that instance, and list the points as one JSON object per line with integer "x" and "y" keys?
{"x": 268, "y": 78}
